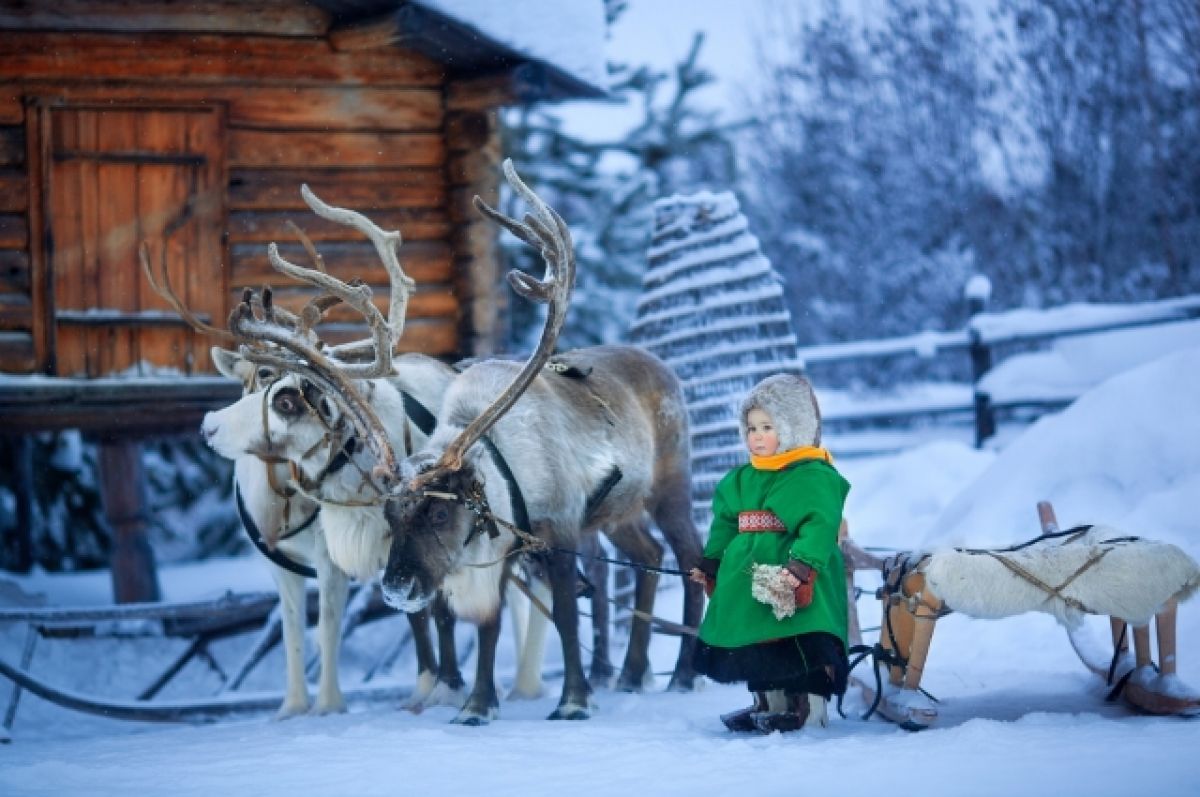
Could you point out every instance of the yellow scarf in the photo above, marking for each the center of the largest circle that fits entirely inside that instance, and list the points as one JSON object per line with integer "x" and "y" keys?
{"x": 783, "y": 459}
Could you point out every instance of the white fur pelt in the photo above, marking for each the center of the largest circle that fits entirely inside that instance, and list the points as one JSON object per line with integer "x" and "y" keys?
{"x": 1132, "y": 580}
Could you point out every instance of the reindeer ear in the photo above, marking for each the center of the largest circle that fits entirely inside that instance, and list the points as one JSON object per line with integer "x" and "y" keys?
{"x": 229, "y": 363}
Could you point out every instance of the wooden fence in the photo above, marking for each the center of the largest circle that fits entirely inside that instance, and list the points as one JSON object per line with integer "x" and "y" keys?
{"x": 979, "y": 341}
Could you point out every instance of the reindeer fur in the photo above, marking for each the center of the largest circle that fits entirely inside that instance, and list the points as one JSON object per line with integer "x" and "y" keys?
{"x": 345, "y": 540}
{"x": 1131, "y": 582}
{"x": 562, "y": 439}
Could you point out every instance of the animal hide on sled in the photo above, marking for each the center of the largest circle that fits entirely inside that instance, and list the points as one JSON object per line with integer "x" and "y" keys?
{"x": 1103, "y": 572}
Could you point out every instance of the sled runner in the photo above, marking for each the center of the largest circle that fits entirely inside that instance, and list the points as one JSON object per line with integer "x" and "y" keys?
{"x": 202, "y": 623}
{"x": 1069, "y": 574}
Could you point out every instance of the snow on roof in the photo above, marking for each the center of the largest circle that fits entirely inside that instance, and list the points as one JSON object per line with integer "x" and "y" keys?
{"x": 566, "y": 36}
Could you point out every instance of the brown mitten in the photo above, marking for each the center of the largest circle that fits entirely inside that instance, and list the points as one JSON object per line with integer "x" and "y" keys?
{"x": 807, "y": 577}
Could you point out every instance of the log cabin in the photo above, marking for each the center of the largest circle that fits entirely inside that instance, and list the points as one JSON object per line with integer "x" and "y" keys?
{"x": 191, "y": 126}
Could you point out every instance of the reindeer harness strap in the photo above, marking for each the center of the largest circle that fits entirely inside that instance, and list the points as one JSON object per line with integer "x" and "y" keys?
{"x": 256, "y": 537}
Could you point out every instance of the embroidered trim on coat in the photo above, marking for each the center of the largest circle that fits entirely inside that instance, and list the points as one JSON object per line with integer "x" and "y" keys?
{"x": 760, "y": 520}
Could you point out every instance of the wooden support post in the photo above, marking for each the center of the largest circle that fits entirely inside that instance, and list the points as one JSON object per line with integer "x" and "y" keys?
{"x": 1120, "y": 635}
{"x": 18, "y": 556}
{"x": 123, "y": 486}
{"x": 981, "y": 363}
{"x": 1141, "y": 645}
{"x": 1164, "y": 627}
{"x": 922, "y": 622}
{"x": 902, "y": 629}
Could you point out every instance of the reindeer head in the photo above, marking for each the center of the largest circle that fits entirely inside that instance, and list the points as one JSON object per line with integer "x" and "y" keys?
{"x": 439, "y": 514}
{"x": 296, "y": 387}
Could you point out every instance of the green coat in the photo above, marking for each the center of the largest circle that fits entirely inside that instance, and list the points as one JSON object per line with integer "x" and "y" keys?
{"x": 808, "y": 497}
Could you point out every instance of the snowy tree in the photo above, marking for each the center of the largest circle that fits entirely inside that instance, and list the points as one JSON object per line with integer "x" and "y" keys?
{"x": 605, "y": 189}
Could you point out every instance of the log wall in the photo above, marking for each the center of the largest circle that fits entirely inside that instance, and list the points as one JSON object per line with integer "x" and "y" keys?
{"x": 372, "y": 130}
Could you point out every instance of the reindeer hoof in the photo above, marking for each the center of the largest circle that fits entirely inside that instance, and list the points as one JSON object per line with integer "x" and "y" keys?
{"x": 323, "y": 708}
{"x": 571, "y": 712}
{"x": 475, "y": 719}
{"x": 683, "y": 683}
{"x": 291, "y": 709}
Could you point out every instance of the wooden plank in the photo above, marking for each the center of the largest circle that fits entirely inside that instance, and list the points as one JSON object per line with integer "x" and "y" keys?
{"x": 16, "y": 353}
{"x": 14, "y": 272}
{"x": 15, "y": 312}
{"x": 414, "y": 224}
{"x": 411, "y": 110}
{"x": 316, "y": 150}
{"x": 481, "y": 93}
{"x": 64, "y": 218}
{"x": 211, "y": 218}
{"x": 12, "y": 109}
{"x": 473, "y": 168}
{"x": 427, "y": 262}
{"x": 158, "y": 58}
{"x": 14, "y": 231}
{"x": 12, "y": 145}
{"x": 435, "y": 337}
{"x": 467, "y": 130}
{"x": 295, "y": 106}
{"x": 274, "y": 17}
{"x": 434, "y": 302}
{"x": 14, "y": 191}
{"x": 118, "y": 235}
{"x": 37, "y": 137}
{"x": 364, "y": 190}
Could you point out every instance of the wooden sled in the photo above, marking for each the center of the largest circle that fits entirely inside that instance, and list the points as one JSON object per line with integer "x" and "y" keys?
{"x": 201, "y": 623}
{"x": 910, "y": 610}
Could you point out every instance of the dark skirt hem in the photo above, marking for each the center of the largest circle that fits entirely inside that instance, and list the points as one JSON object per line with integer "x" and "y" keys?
{"x": 815, "y": 663}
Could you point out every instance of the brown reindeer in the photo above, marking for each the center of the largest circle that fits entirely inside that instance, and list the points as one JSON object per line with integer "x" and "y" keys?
{"x": 529, "y": 458}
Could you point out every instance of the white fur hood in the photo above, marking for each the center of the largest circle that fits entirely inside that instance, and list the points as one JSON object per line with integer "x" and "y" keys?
{"x": 790, "y": 402}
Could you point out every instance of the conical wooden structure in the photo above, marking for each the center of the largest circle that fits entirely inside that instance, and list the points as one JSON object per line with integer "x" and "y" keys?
{"x": 713, "y": 309}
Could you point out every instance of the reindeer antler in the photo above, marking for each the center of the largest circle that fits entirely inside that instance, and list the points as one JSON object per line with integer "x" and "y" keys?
{"x": 544, "y": 230}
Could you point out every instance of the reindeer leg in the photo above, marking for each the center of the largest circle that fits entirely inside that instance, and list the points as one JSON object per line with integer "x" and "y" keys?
{"x": 483, "y": 705}
{"x": 292, "y": 619}
{"x": 600, "y": 676}
{"x": 574, "y": 704}
{"x": 532, "y": 645}
{"x": 333, "y": 587}
{"x": 673, "y": 514}
{"x": 427, "y": 664}
{"x": 450, "y": 683}
{"x": 635, "y": 541}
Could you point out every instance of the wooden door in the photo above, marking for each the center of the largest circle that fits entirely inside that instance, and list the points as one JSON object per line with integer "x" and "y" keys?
{"x": 116, "y": 177}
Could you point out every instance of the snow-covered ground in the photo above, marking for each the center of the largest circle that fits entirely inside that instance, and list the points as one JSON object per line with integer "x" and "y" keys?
{"x": 1019, "y": 713}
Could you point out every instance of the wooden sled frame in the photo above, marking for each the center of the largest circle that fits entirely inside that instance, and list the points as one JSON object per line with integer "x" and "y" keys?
{"x": 910, "y": 611}
{"x": 202, "y": 623}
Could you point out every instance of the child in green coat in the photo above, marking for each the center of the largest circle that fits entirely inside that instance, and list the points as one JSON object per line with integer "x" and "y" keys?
{"x": 775, "y": 529}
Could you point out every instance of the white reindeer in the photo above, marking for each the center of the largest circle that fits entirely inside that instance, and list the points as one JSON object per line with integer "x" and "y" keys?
{"x": 291, "y": 422}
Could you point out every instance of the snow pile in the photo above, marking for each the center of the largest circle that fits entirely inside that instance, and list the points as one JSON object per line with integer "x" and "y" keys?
{"x": 1126, "y": 454}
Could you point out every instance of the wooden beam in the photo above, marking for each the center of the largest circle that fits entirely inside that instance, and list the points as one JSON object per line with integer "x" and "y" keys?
{"x": 519, "y": 84}
{"x": 248, "y": 148}
{"x": 16, "y": 353}
{"x": 41, "y": 291}
{"x": 14, "y": 191}
{"x": 14, "y": 231}
{"x": 364, "y": 190}
{"x": 158, "y": 58}
{"x": 427, "y": 262}
{"x": 428, "y": 302}
{"x": 301, "y": 107}
{"x": 12, "y": 145}
{"x": 271, "y": 17}
{"x": 14, "y": 272}
{"x": 414, "y": 224}
{"x": 371, "y": 34}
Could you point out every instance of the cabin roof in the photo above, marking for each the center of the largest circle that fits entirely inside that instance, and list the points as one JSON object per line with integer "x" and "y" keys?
{"x": 564, "y": 41}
